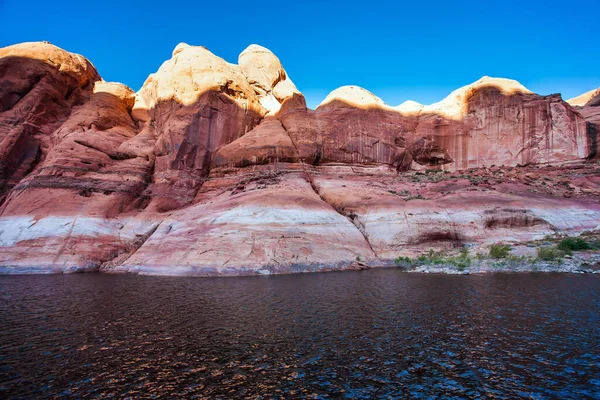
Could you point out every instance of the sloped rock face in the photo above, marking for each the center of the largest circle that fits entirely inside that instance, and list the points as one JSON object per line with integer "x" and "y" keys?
{"x": 40, "y": 85}
{"x": 214, "y": 168}
{"x": 86, "y": 155}
{"x": 588, "y": 99}
{"x": 403, "y": 216}
{"x": 71, "y": 211}
{"x": 273, "y": 223}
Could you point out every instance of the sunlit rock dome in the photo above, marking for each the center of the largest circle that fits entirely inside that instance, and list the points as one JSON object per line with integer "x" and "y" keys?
{"x": 454, "y": 105}
{"x": 591, "y": 98}
{"x": 355, "y": 96}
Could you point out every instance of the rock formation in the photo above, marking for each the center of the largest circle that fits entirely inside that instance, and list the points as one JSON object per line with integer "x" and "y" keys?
{"x": 588, "y": 99}
{"x": 40, "y": 85}
{"x": 213, "y": 168}
{"x": 588, "y": 105}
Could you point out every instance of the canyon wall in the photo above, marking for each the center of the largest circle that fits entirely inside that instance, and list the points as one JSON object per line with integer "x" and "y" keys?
{"x": 214, "y": 168}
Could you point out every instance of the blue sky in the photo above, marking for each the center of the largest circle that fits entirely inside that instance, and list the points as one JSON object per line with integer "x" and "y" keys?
{"x": 418, "y": 50}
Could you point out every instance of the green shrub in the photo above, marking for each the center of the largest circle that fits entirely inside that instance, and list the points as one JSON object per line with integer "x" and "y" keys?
{"x": 573, "y": 244}
{"x": 403, "y": 260}
{"x": 460, "y": 262}
{"x": 549, "y": 253}
{"x": 499, "y": 250}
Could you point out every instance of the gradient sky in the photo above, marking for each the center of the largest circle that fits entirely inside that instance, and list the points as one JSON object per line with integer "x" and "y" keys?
{"x": 419, "y": 50}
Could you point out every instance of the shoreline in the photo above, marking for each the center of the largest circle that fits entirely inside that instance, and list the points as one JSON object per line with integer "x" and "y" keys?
{"x": 574, "y": 265}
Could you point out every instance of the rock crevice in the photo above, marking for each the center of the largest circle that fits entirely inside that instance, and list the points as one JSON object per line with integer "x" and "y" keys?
{"x": 353, "y": 218}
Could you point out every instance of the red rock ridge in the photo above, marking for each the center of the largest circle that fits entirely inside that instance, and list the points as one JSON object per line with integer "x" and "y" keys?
{"x": 214, "y": 168}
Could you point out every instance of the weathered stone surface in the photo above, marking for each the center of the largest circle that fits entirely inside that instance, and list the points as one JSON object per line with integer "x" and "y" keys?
{"x": 406, "y": 216}
{"x": 509, "y": 130}
{"x": 220, "y": 169}
{"x": 72, "y": 212}
{"x": 349, "y": 135}
{"x": 267, "y": 143}
{"x": 195, "y": 103}
{"x": 39, "y": 86}
{"x": 490, "y": 122}
{"x": 272, "y": 223}
{"x": 265, "y": 74}
{"x": 588, "y": 105}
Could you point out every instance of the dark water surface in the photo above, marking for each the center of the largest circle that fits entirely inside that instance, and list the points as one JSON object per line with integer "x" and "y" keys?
{"x": 378, "y": 333}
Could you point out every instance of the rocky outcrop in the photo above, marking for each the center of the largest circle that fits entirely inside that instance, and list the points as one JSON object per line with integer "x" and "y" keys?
{"x": 195, "y": 104}
{"x": 267, "y": 223}
{"x": 268, "y": 143}
{"x": 588, "y": 99}
{"x": 40, "y": 85}
{"x": 267, "y": 77}
{"x": 588, "y": 105}
{"x": 341, "y": 133}
{"x": 403, "y": 216}
{"x": 71, "y": 210}
{"x": 491, "y": 122}
{"x": 214, "y": 168}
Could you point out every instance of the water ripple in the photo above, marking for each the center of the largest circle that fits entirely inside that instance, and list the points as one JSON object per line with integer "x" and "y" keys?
{"x": 367, "y": 334}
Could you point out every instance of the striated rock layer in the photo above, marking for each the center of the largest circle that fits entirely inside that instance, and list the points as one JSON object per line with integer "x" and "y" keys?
{"x": 214, "y": 168}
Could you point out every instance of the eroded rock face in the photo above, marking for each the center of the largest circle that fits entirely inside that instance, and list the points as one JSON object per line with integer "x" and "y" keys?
{"x": 195, "y": 103}
{"x": 349, "y": 135}
{"x": 588, "y": 105}
{"x": 72, "y": 210}
{"x": 403, "y": 216}
{"x": 509, "y": 130}
{"x": 220, "y": 169}
{"x": 271, "y": 223}
{"x": 40, "y": 85}
{"x": 268, "y": 143}
{"x": 491, "y": 122}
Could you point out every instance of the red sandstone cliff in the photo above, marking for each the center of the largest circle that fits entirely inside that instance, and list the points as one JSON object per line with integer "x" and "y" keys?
{"x": 588, "y": 106}
{"x": 214, "y": 168}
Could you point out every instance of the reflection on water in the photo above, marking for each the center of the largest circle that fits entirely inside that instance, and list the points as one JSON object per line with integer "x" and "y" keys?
{"x": 376, "y": 333}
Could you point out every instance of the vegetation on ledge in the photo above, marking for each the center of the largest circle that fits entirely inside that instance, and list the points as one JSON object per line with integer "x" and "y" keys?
{"x": 558, "y": 254}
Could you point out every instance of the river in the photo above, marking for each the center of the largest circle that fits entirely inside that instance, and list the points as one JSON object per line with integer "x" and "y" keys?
{"x": 363, "y": 334}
